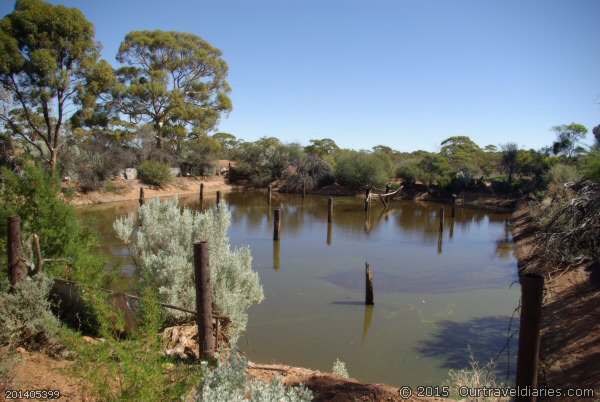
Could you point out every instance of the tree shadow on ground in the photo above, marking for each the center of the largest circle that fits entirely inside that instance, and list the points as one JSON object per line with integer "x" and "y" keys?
{"x": 481, "y": 339}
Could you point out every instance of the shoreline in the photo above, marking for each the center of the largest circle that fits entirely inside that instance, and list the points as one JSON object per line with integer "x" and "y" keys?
{"x": 570, "y": 336}
{"x": 128, "y": 191}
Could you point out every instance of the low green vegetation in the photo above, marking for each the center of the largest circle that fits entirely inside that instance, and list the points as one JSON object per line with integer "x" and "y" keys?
{"x": 154, "y": 173}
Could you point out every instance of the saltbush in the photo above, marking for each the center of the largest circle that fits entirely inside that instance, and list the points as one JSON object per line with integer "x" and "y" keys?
{"x": 25, "y": 316}
{"x": 154, "y": 173}
{"x": 339, "y": 368}
{"x": 160, "y": 238}
{"x": 228, "y": 382}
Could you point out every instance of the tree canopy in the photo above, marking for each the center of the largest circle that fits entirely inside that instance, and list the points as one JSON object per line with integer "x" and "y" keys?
{"x": 49, "y": 68}
{"x": 175, "y": 81}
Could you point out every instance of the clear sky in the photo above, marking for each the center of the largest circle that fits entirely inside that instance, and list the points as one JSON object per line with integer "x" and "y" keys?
{"x": 406, "y": 74}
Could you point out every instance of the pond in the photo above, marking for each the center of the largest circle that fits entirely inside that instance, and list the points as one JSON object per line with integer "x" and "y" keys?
{"x": 439, "y": 299}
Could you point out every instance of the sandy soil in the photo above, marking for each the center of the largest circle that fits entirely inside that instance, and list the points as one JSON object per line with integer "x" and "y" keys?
{"x": 570, "y": 343}
{"x": 128, "y": 190}
{"x": 328, "y": 386}
{"x": 36, "y": 370}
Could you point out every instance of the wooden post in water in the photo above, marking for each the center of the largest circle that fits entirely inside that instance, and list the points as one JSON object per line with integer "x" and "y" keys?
{"x": 532, "y": 292}
{"x": 367, "y": 194}
{"x": 329, "y": 233}
{"x": 453, "y": 211}
{"x": 204, "y": 316}
{"x": 17, "y": 271}
{"x": 368, "y": 285}
{"x": 330, "y": 210}
{"x": 141, "y": 200}
{"x": 276, "y": 223}
{"x": 218, "y": 199}
{"x": 441, "y": 220}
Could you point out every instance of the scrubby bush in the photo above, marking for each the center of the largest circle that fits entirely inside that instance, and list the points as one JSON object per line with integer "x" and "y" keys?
{"x": 25, "y": 316}
{"x": 359, "y": 169}
{"x": 475, "y": 377}
{"x": 409, "y": 172}
{"x": 591, "y": 165}
{"x": 560, "y": 174}
{"x": 160, "y": 237}
{"x": 34, "y": 196}
{"x": 93, "y": 161}
{"x": 339, "y": 368}
{"x": 228, "y": 382}
{"x": 154, "y": 173}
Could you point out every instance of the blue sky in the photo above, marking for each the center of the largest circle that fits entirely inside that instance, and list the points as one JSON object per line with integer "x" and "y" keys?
{"x": 406, "y": 74}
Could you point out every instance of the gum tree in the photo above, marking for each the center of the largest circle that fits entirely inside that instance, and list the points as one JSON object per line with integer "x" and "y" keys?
{"x": 174, "y": 81}
{"x": 50, "y": 68}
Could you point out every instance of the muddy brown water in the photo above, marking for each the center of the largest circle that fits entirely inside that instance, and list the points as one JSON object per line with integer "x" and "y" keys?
{"x": 439, "y": 300}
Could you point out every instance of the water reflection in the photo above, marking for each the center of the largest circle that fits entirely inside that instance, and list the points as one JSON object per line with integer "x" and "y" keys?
{"x": 276, "y": 255}
{"x": 423, "y": 279}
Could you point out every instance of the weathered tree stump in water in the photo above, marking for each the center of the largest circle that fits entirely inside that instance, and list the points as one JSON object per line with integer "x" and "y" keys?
{"x": 276, "y": 223}
{"x": 330, "y": 210}
{"x": 368, "y": 285}
{"x": 17, "y": 271}
{"x": 441, "y": 220}
{"x": 367, "y": 195}
{"x": 204, "y": 315}
{"x": 532, "y": 291}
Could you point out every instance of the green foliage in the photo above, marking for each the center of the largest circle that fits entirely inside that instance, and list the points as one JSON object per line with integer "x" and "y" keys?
{"x": 154, "y": 173}
{"x": 322, "y": 147}
{"x": 463, "y": 155}
{"x": 198, "y": 156}
{"x": 339, "y": 368}
{"x": 409, "y": 171}
{"x": 229, "y": 144}
{"x": 591, "y": 166}
{"x": 560, "y": 174}
{"x": 172, "y": 80}
{"x": 49, "y": 61}
{"x": 135, "y": 368}
{"x": 265, "y": 160}
{"x": 160, "y": 238}
{"x": 567, "y": 141}
{"x": 34, "y": 196}
{"x": 436, "y": 169}
{"x": 95, "y": 159}
{"x": 25, "y": 316}
{"x": 509, "y": 160}
{"x": 228, "y": 382}
{"x": 359, "y": 169}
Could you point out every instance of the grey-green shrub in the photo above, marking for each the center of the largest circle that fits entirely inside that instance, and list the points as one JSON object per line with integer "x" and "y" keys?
{"x": 228, "y": 382}
{"x": 154, "y": 173}
{"x": 25, "y": 316}
{"x": 339, "y": 368}
{"x": 160, "y": 238}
